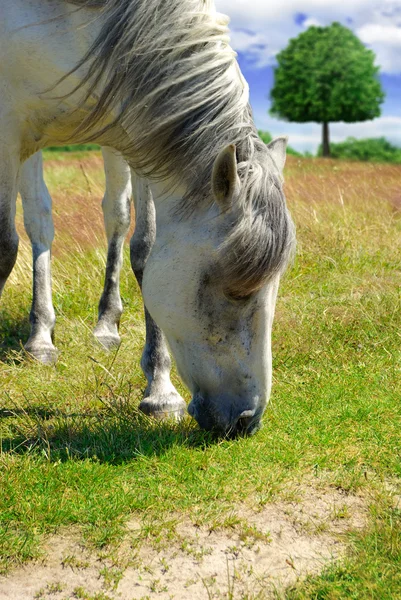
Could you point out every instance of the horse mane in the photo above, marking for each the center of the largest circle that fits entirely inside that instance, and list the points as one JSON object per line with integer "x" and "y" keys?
{"x": 169, "y": 78}
{"x": 88, "y": 3}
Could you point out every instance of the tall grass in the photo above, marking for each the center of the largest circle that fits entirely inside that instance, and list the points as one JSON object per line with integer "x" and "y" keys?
{"x": 74, "y": 450}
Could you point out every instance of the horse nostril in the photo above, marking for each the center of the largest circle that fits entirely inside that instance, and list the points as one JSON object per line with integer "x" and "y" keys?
{"x": 247, "y": 424}
{"x": 247, "y": 414}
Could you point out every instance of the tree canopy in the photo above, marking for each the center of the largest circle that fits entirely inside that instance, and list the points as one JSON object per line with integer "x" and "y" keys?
{"x": 326, "y": 74}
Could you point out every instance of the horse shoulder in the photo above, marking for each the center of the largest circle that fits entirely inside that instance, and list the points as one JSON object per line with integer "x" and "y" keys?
{"x": 40, "y": 42}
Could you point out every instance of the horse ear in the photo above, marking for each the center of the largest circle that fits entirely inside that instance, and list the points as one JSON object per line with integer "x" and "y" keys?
{"x": 277, "y": 148}
{"x": 225, "y": 180}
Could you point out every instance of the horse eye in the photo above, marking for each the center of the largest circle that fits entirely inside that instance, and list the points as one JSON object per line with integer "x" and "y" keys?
{"x": 236, "y": 297}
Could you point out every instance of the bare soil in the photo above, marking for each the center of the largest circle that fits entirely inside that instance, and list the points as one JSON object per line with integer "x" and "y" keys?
{"x": 278, "y": 545}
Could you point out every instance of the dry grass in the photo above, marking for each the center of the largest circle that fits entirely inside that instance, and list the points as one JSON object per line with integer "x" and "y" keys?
{"x": 75, "y": 451}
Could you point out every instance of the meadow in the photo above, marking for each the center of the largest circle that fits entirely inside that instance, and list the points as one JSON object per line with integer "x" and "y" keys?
{"x": 79, "y": 462}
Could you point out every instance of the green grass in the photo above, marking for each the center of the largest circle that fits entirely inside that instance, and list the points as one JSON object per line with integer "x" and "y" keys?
{"x": 75, "y": 451}
{"x": 372, "y": 569}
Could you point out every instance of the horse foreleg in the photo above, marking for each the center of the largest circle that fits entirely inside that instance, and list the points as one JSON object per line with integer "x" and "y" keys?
{"x": 9, "y": 169}
{"x": 161, "y": 399}
{"x": 38, "y": 221}
{"x": 117, "y": 212}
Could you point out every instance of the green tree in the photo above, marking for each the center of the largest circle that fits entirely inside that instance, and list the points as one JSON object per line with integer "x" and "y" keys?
{"x": 324, "y": 75}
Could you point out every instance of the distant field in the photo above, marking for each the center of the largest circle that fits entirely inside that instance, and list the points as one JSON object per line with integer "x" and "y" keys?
{"x": 77, "y": 460}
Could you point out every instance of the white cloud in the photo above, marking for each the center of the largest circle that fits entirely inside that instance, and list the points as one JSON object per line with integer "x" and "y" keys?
{"x": 253, "y": 11}
{"x": 310, "y": 22}
{"x": 382, "y": 34}
{"x": 389, "y": 127}
{"x": 252, "y": 45}
{"x": 386, "y": 41}
{"x": 272, "y": 23}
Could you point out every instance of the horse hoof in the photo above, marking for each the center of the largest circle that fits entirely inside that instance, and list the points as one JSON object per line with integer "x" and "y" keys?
{"x": 109, "y": 341}
{"x": 46, "y": 355}
{"x": 169, "y": 406}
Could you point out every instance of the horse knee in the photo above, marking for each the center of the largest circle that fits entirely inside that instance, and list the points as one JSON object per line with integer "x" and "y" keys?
{"x": 38, "y": 220}
{"x": 116, "y": 213}
{"x": 39, "y": 226}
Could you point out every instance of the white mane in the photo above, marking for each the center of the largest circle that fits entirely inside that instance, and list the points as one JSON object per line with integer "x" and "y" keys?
{"x": 174, "y": 83}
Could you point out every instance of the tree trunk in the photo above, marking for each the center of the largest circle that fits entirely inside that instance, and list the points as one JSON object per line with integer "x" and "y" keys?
{"x": 326, "y": 140}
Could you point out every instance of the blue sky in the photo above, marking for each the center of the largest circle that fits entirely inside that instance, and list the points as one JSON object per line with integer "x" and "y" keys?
{"x": 261, "y": 28}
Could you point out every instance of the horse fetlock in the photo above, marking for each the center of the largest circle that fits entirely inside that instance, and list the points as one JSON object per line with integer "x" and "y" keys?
{"x": 163, "y": 402}
{"x": 42, "y": 350}
{"x": 42, "y": 319}
{"x": 110, "y": 308}
{"x": 106, "y": 333}
{"x": 153, "y": 360}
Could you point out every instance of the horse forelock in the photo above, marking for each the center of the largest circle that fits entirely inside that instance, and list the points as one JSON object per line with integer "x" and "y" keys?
{"x": 262, "y": 239}
{"x": 167, "y": 72}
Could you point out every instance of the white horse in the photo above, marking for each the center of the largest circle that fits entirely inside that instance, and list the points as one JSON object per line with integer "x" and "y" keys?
{"x": 158, "y": 83}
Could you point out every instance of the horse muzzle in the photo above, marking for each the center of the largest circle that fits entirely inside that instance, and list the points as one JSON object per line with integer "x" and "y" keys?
{"x": 224, "y": 417}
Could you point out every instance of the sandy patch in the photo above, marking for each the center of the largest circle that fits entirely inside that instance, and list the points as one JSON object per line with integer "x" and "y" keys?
{"x": 268, "y": 550}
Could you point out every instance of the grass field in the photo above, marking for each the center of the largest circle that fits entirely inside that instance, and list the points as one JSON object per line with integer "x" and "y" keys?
{"x": 76, "y": 455}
